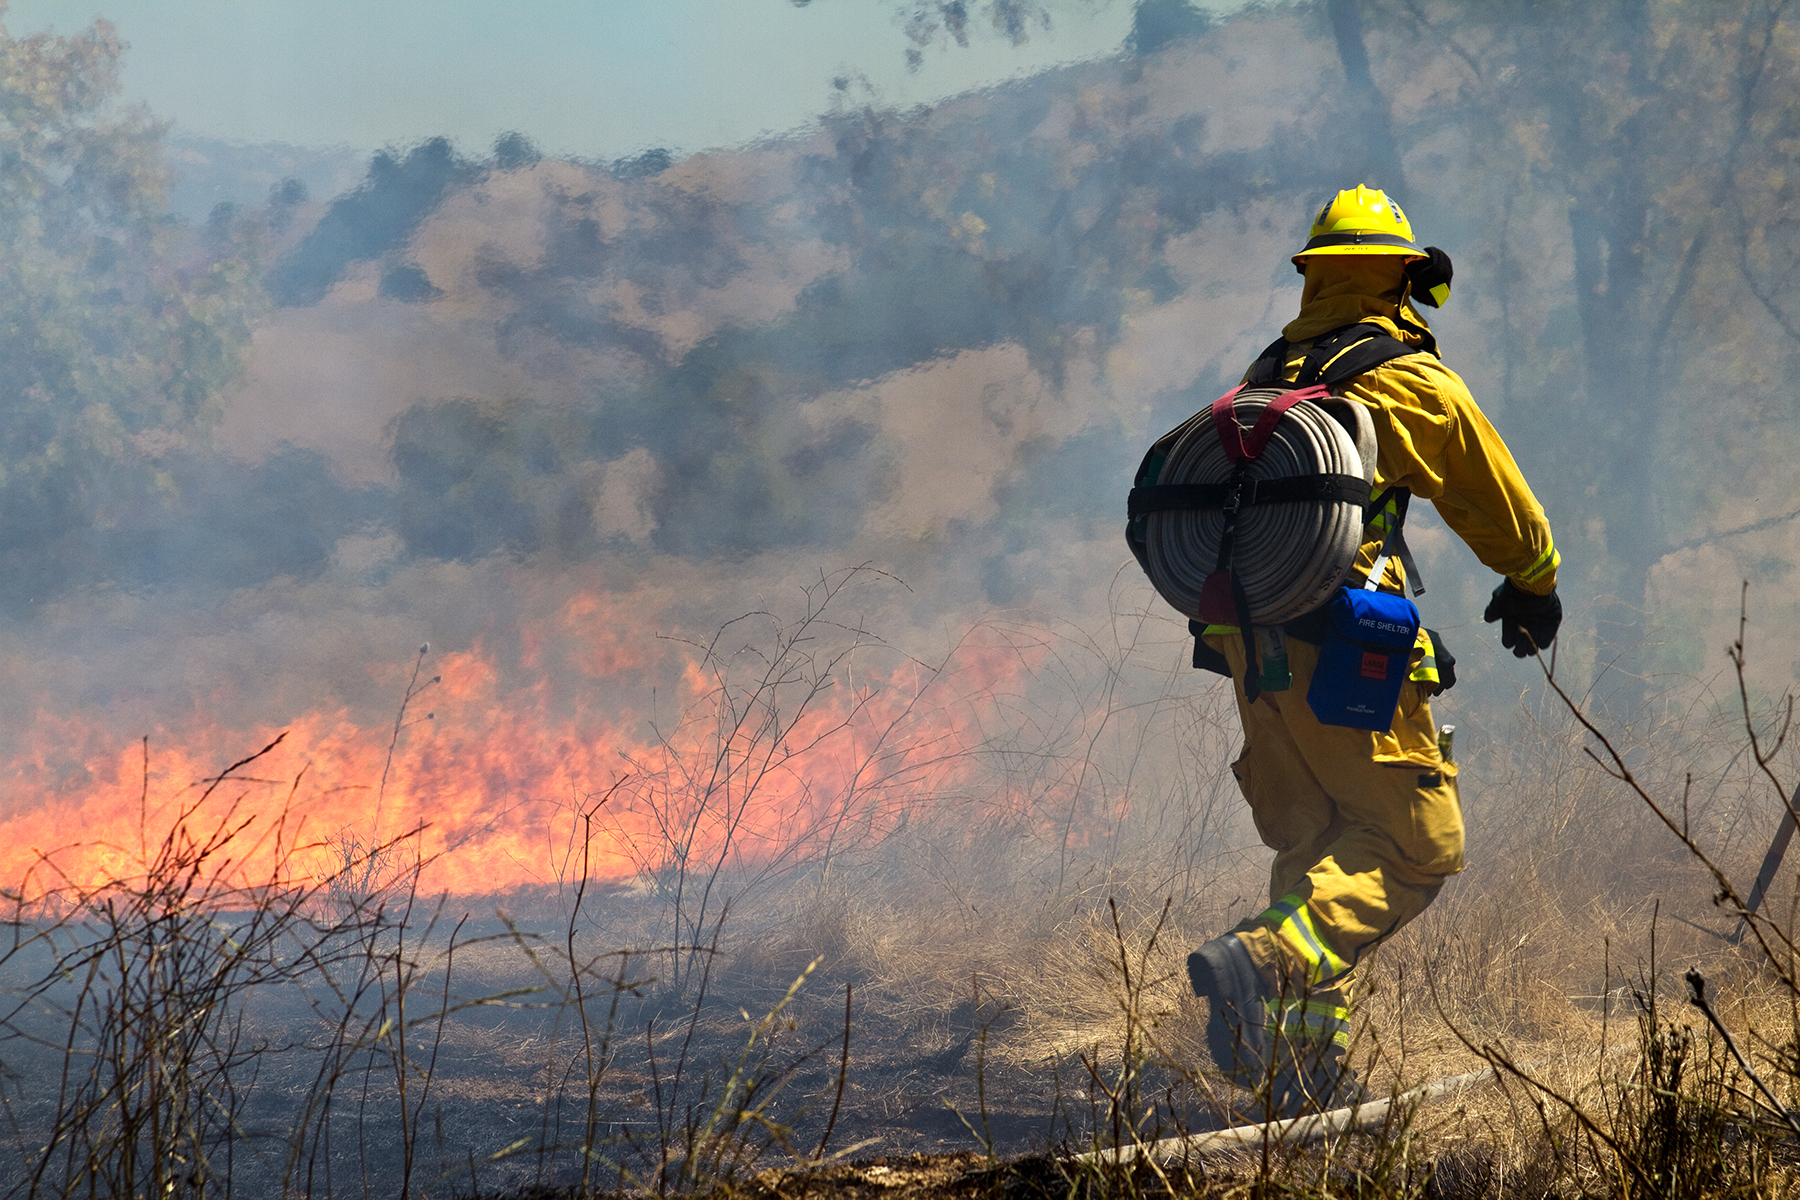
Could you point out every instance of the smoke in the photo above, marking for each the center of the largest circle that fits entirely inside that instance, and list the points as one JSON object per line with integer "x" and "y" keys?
{"x": 566, "y": 420}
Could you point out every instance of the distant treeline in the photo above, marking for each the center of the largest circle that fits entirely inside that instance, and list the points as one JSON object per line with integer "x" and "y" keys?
{"x": 1614, "y": 179}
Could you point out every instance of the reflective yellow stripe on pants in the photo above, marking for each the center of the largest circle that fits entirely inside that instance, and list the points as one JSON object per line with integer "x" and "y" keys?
{"x": 1310, "y": 1020}
{"x": 1290, "y": 921}
{"x": 1321, "y": 1015}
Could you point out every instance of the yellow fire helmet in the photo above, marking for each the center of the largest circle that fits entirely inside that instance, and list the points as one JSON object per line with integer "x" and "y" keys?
{"x": 1360, "y": 220}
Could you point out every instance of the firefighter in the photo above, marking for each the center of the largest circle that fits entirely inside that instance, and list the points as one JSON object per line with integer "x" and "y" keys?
{"x": 1366, "y": 827}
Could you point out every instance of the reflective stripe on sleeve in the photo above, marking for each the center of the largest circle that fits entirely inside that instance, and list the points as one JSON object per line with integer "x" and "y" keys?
{"x": 1546, "y": 562}
{"x": 1425, "y": 670}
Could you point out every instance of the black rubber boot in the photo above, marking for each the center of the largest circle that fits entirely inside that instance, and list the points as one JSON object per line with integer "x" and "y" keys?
{"x": 1221, "y": 971}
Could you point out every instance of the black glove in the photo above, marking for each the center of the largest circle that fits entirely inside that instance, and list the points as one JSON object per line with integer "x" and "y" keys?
{"x": 1430, "y": 277}
{"x": 1527, "y": 622}
{"x": 1446, "y": 663}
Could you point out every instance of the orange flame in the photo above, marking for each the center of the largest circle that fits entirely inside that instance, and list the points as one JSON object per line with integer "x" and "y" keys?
{"x": 765, "y": 759}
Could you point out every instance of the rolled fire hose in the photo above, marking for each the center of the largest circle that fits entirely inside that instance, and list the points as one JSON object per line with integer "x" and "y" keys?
{"x": 1290, "y": 557}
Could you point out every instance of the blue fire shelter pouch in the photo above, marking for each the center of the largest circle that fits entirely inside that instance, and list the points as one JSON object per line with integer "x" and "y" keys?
{"x": 1366, "y": 653}
{"x": 1365, "y": 657}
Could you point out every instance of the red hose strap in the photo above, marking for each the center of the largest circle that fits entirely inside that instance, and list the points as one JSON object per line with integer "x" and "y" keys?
{"x": 1226, "y": 426}
{"x": 1231, "y": 435}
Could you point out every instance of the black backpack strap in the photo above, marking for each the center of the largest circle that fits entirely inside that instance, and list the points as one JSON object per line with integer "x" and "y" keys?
{"x": 1346, "y": 353}
{"x": 1393, "y": 541}
{"x": 1205, "y": 657}
{"x": 1270, "y": 367}
{"x": 1247, "y": 493}
{"x": 1334, "y": 357}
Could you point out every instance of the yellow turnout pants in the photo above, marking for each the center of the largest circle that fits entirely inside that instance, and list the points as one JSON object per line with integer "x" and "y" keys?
{"x": 1365, "y": 828}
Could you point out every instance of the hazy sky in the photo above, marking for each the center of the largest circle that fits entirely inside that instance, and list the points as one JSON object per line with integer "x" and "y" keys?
{"x": 595, "y": 78}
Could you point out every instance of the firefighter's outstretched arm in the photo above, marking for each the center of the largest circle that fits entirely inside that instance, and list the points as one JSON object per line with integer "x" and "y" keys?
{"x": 1444, "y": 448}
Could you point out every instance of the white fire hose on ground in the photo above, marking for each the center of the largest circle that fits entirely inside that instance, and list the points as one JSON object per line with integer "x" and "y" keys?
{"x": 1299, "y": 1130}
{"x": 1355, "y": 1118}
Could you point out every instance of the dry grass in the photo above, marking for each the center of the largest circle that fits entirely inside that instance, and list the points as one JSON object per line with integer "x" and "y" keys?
{"x": 1011, "y": 974}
